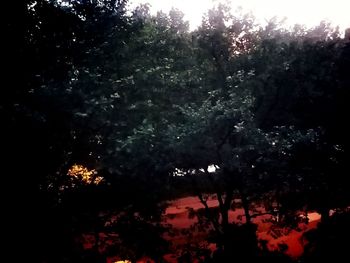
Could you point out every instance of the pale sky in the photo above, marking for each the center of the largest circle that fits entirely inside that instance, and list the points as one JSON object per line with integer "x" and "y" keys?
{"x": 308, "y": 12}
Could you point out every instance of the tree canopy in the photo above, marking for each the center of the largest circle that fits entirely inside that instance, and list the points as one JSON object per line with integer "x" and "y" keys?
{"x": 103, "y": 109}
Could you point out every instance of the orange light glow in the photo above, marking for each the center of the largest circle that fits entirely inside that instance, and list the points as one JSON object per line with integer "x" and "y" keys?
{"x": 84, "y": 175}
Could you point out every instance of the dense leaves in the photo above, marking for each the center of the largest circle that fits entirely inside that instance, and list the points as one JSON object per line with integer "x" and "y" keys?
{"x": 151, "y": 111}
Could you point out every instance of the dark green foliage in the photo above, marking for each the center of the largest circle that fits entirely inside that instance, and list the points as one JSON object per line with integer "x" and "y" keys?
{"x": 151, "y": 105}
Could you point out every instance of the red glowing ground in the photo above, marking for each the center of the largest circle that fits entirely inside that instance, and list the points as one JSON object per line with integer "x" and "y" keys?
{"x": 177, "y": 214}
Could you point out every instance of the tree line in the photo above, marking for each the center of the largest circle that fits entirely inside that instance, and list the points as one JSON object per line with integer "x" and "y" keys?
{"x": 139, "y": 99}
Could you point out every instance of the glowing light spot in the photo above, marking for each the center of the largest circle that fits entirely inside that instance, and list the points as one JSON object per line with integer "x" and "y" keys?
{"x": 83, "y": 174}
{"x": 212, "y": 168}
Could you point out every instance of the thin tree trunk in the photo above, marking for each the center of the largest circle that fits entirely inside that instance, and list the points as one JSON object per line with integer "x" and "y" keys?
{"x": 245, "y": 204}
{"x": 226, "y": 205}
{"x": 209, "y": 214}
{"x": 224, "y": 218}
{"x": 324, "y": 214}
{"x": 97, "y": 241}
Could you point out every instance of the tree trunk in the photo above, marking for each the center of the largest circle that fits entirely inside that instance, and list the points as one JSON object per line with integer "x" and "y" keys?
{"x": 245, "y": 204}
{"x": 246, "y": 211}
{"x": 324, "y": 214}
{"x": 224, "y": 218}
{"x": 225, "y": 207}
{"x": 209, "y": 214}
{"x": 97, "y": 241}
